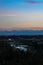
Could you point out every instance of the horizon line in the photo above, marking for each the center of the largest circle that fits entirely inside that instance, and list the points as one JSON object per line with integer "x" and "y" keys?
{"x": 23, "y": 28}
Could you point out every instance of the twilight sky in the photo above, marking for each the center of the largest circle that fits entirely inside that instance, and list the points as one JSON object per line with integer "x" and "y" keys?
{"x": 21, "y": 14}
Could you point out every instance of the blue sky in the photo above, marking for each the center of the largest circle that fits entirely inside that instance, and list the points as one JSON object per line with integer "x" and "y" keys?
{"x": 21, "y": 14}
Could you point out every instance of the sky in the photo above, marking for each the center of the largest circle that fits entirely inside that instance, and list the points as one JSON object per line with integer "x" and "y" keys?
{"x": 21, "y": 14}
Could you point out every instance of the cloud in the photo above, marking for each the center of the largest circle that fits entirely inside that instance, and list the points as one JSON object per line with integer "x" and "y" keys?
{"x": 33, "y": 2}
{"x": 8, "y": 14}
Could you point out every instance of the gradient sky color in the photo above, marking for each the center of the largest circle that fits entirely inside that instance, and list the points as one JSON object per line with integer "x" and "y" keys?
{"x": 21, "y": 14}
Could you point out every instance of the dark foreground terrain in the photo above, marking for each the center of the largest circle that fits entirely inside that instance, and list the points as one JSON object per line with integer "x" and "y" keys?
{"x": 11, "y": 54}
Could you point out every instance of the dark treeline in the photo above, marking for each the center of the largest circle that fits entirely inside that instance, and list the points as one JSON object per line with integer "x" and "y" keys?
{"x": 22, "y": 36}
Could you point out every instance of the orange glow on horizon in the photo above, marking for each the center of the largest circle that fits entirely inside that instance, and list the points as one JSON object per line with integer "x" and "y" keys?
{"x": 23, "y": 26}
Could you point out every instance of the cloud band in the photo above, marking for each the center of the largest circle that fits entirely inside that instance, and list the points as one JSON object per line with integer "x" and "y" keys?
{"x": 33, "y": 2}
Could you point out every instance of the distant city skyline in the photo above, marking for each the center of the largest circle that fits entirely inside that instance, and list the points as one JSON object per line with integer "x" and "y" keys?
{"x": 21, "y": 14}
